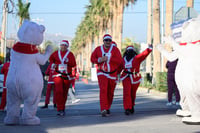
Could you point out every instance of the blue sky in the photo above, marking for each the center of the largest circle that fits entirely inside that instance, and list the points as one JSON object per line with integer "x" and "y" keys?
{"x": 46, "y": 12}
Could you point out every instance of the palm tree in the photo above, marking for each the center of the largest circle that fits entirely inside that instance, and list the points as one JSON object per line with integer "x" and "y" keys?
{"x": 168, "y": 22}
{"x": 23, "y": 11}
{"x": 99, "y": 19}
{"x": 156, "y": 37}
{"x": 118, "y": 11}
{"x": 149, "y": 37}
{"x": 190, "y": 3}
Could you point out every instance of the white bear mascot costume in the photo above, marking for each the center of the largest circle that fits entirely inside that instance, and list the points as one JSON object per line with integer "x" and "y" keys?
{"x": 186, "y": 45}
{"x": 25, "y": 81}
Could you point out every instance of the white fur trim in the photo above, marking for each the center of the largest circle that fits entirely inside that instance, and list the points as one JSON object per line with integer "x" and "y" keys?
{"x": 130, "y": 48}
{"x": 64, "y": 43}
{"x": 107, "y": 37}
{"x": 107, "y": 75}
{"x": 51, "y": 82}
{"x": 150, "y": 48}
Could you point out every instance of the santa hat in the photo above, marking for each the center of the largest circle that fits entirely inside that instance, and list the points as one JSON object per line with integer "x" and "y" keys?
{"x": 107, "y": 36}
{"x": 64, "y": 42}
{"x": 130, "y": 47}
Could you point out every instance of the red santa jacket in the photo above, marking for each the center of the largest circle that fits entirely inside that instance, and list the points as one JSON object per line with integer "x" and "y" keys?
{"x": 4, "y": 71}
{"x": 50, "y": 71}
{"x": 109, "y": 68}
{"x": 131, "y": 68}
{"x": 64, "y": 62}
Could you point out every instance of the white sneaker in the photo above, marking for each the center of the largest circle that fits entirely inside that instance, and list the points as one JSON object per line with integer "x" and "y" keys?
{"x": 169, "y": 104}
{"x": 182, "y": 113}
{"x": 191, "y": 120}
{"x": 76, "y": 100}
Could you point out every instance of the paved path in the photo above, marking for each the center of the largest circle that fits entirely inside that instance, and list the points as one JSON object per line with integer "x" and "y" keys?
{"x": 151, "y": 116}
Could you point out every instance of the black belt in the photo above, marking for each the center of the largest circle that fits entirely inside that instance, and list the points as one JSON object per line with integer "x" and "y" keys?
{"x": 108, "y": 72}
{"x": 64, "y": 74}
{"x": 131, "y": 72}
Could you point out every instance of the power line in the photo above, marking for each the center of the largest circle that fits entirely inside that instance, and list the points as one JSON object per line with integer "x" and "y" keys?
{"x": 142, "y": 12}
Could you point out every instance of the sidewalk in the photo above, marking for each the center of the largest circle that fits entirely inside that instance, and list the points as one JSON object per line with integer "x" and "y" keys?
{"x": 151, "y": 115}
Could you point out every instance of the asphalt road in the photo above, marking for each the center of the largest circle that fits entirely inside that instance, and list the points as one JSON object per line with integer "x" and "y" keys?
{"x": 151, "y": 115}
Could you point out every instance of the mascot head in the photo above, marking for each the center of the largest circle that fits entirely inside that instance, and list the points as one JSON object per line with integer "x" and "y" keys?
{"x": 186, "y": 31}
{"x": 31, "y": 33}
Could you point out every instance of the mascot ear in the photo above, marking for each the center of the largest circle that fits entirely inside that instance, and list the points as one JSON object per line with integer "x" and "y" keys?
{"x": 21, "y": 30}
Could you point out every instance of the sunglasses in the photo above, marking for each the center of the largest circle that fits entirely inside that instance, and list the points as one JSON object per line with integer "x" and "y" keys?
{"x": 108, "y": 40}
{"x": 63, "y": 45}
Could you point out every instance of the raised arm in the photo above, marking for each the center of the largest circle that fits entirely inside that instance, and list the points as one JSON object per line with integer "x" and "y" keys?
{"x": 169, "y": 56}
{"x": 142, "y": 56}
{"x": 42, "y": 58}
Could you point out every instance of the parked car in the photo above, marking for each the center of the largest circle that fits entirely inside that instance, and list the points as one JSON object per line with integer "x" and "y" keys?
{"x": 1, "y": 80}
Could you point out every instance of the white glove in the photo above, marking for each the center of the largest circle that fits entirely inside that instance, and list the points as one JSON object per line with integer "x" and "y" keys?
{"x": 169, "y": 40}
{"x": 49, "y": 49}
{"x": 160, "y": 47}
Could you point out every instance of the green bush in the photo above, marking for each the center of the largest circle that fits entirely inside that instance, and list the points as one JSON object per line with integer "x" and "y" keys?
{"x": 147, "y": 81}
{"x": 161, "y": 81}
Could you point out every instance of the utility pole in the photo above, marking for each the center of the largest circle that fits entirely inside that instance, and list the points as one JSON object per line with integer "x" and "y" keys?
{"x": 162, "y": 33}
{"x": 4, "y": 27}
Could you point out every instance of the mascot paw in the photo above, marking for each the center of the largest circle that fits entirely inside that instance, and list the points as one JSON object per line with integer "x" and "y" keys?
{"x": 11, "y": 120}
{"x": 160, "y": 47}
{"x": 30, "y": 121}
{"x": 191, "y": 120}
{"x": 49, "y": 49}
{"x": 183, "y": 113}
{"x": 168, "y": 39}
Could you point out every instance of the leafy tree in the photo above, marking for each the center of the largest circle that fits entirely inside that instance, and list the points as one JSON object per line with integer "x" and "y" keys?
{"x": 23, "y": 11}
{"x": 129, "y": 42}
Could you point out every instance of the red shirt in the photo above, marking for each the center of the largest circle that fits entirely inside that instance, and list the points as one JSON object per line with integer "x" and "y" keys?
{"x": 69, "y": 61}
{"x": 114, "y": 61}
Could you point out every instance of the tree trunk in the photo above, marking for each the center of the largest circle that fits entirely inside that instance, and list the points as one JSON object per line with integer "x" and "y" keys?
{"x": 120, "y": 26}
{"x": 119, "y": 23}
{"x": 149, "y": 36}
{"x": 190, "y": 3}
{"x": 156, "y": 38}
{"x": 168, "y": 22}
{"x": 115, "y": 22}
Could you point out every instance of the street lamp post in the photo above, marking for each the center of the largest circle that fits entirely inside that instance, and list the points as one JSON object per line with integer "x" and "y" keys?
{"x": 4, "y": 27}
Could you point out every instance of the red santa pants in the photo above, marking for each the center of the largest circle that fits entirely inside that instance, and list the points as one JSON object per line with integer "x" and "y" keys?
{"x": 3, "y": 99}
{"x": 107, "y": 87}
{"x": 48, "y": 93}
{"x": 129, "y": 93}
{"x": 62, "y": 87}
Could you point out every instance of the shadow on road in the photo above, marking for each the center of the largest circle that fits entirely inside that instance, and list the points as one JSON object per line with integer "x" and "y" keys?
{"x": 87, "y": 111}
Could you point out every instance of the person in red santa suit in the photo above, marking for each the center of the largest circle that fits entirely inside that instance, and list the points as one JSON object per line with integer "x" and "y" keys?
{"x": 131, "y": 76}
{"x": 4, "y": 71}
{"x": 49, "y": 72}
{"x": 108, "y": 58}
{"x": 63, "y": 61}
